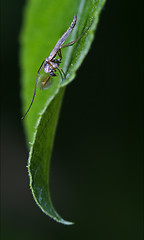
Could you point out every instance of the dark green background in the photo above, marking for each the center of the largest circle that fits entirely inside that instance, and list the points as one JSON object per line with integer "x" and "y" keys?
{"x": 96, "y": 169}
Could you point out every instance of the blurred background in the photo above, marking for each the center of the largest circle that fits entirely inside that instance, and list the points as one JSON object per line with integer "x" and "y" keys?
{"x": 96, "y": 168}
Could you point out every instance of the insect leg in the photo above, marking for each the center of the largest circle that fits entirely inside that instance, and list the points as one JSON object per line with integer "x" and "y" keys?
{"x": 60, "y": 54}
{"x": 70, "y": 44}
{"x": 73, "y": 42}
{"x": 76, "y": 40}
{"x": 62, "y": 72}
{"x": 34, "y": 89}
{"x": 59, "y": 59}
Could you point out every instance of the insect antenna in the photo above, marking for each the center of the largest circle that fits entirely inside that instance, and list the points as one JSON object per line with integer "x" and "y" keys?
{"x": 34, "y": 89}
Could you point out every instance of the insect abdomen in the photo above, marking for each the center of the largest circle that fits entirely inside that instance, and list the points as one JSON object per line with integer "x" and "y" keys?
{"x": 73, "y": 22}
{"x": 62, "y": 39}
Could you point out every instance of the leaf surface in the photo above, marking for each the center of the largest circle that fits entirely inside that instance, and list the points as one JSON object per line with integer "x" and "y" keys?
{"x": 44, "y": 24}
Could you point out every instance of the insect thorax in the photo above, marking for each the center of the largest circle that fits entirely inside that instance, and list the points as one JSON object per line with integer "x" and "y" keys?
{"x": 49, "y": 66}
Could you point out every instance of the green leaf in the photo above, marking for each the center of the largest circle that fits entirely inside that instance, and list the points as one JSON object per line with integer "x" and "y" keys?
{"x": 44, "y": 23}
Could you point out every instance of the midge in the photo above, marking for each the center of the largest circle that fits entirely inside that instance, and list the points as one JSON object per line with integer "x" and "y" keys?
{"x": 51, "y": 64}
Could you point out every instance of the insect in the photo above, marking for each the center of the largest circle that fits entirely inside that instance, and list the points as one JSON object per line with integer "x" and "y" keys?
{"x": 51, "y": 64}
